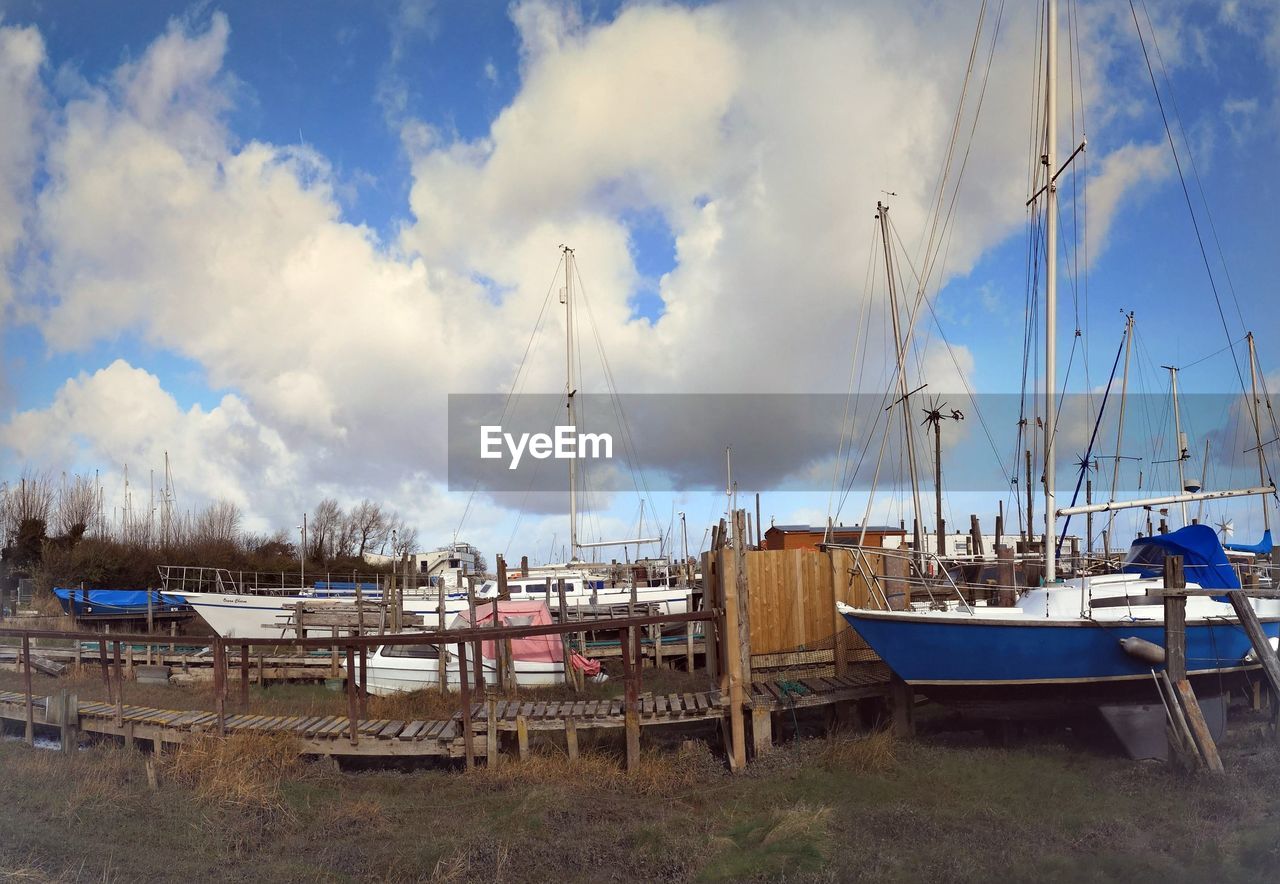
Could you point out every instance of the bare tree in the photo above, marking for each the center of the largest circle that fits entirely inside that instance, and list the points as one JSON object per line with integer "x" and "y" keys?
{"x": 345, "y": 539}
{"x": 30, "y": 499}
{"x": 219, "y": 522}
{"x": 77, "y": 509}
{"x": 326, "y": 522}
{"x": 370, "y": 526}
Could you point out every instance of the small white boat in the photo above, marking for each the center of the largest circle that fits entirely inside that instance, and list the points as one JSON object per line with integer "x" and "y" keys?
{"x": 405, "y": 668}
{"x": 537, "y": 661}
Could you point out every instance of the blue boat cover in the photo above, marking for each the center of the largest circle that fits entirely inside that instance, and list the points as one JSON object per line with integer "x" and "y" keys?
{"x": 110, "y": 601}
{"x": 1203, "y": 558}
{"x": 1262, "y": 547}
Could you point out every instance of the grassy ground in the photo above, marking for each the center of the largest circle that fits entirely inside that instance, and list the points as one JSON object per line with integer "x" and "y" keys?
{"x": 841, "y": 807}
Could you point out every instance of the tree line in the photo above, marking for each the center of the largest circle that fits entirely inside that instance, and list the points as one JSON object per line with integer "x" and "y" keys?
{"x": 63, "y": 530}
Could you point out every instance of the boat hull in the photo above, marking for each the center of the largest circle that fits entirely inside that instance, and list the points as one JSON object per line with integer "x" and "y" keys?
{"x": 1044, "y": 665}
{"x": 392, "y": 675}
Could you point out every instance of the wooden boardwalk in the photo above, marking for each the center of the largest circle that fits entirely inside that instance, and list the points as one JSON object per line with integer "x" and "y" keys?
{"x": 331, "y": 735}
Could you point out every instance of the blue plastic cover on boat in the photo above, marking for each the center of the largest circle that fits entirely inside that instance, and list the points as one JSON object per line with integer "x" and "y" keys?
{"x": 110, "y": 601}
{"x": 1203, "y": 558}
{"x": 1261, "y": 548}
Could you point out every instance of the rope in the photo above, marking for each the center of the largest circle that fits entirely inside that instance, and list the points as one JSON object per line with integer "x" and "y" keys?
{"x": 1186, "y": 193}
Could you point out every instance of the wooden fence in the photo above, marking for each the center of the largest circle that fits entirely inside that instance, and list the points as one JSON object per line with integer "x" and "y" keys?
{"x": 790, "y": 613}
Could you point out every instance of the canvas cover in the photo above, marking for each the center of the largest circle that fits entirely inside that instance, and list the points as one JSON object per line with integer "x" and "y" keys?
{"x": 534, "y": 649}
{"x": 109, "y": 601}
{"x": 1203, "y": 559}
{"x": 1262, "y": 548}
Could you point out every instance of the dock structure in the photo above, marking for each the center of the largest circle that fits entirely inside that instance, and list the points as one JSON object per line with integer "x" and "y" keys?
{"x": 332, "y": 735}
{"x": 769, "y": 633}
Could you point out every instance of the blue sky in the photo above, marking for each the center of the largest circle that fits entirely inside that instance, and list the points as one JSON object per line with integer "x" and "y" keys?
{"x": 346, "y": 186}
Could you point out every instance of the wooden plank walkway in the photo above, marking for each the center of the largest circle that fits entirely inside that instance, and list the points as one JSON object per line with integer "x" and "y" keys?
{"x": 331, "y": 735}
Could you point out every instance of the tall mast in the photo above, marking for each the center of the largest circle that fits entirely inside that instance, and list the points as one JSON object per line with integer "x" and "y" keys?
{"x": 899, "y": 346}
{"x": 1051, "y": 287}
{"x": 1257, "y": 431}
{"x": 1124, "y": 397}
{"x": 569, "y": 390}
{"x": 1178, "y": 443}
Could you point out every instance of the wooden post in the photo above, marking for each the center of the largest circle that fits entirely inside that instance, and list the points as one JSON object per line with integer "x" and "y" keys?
{"x": 731, "y": 674}
{"x": 219, "y": 683}
{"x": 464, "y": 716}
{"x": 840, "y": 576}
{"x": 569, "y": 677}
{"x": 30, "y": 734}
{"x": 975, "y": 534}
{"x": 761, "y": 730}
{"x": 442, "y": 666}
{"x": 69, "y": 722}
{"x": 491, "y": 730}
{"x": 478, "y": 663}
{"x": 631, "y": 714}
{"x": 637, "y": 658}
{"x": 364, "y": 680}
{"x": 522, "y": 737}
{"x": 333, "y": 655}
{"x": 119, "y": 679}
{"x": 299, "y": 627}
{"x": 571, "y": 738}
{"x": 1006, "y": 577}
{"x": 744, "y": 616}
{"x": 262, "y": 667}
{"x": 903, "y": 701}
{"x": 244, "y": 676}
{"x": 1175, "y": 620}
{"x": 688, "y": 634}
{"x": 106, "y": 669}
{"x": 1199, "y": 728}
{"x": 352, "y": 710}
{"x": 502, "y": 577}
{"x": 508, "y": 680}
{"x": 359, "y": 605}
{"x": 712, "y": 630}
{"x": 173, "y": 633}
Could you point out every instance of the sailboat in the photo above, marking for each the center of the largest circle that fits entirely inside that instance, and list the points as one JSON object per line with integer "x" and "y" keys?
{"x": 1080, "y": 641}
{"x": 587, "y": 584}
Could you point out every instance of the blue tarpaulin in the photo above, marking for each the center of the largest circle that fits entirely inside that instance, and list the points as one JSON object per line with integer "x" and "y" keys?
{"x": 1203, "y": 558}
{"x": 111, "y": 601}
{"x": 1262, "y": 547}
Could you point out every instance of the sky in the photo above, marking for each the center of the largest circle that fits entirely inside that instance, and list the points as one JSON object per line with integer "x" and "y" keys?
{"x": 270, "y": 240}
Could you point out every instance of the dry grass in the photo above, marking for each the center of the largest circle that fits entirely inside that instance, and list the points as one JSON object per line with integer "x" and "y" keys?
{"x": 243, "y": 771}
{"x": 839, "y": 808}
{"x": 426, "y": 705}
{"x": 98, "y": 780}
{"x": 800, "y": 821}
{"x": 876, "y": 752}
{"x": 659, "y": 773}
